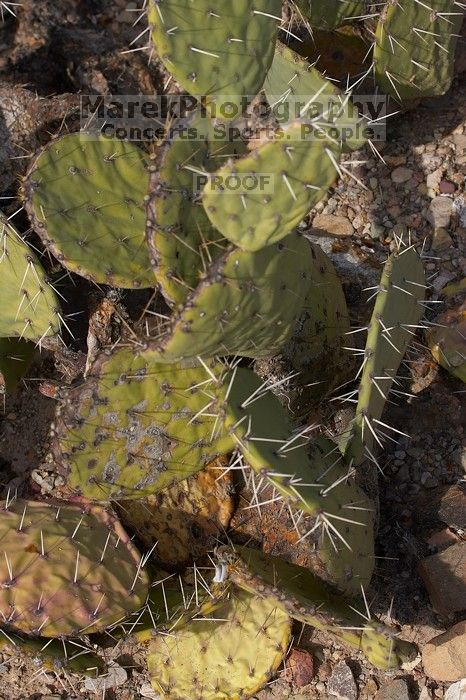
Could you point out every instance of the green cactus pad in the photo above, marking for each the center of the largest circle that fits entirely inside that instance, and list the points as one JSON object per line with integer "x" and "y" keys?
{"x": 15, "y": 359}
{"x": 71, "y": 655}
{"x": 222, "y": 51}
{"x": 136, "y": 426}
{"x": 309, "y": 600}
{"x": 298, "y": 168}
{"x": 414, "y": 48}
{"x": 248, "y": 304}
{"x": 293, "y": 85}
{"x": 316, "y": 348}
{"x": 396, "y": 315}
{"x": 29, "y": 307}
{"x": 182, "y": 241}
{"x": 171, "y": 605}
{"x": 65, "y": 570}
{"x": 330, "y": 14}
{"x": 85, "y": 196}
{"x": 230, "y": 657}
{"x": 313, "y": 479}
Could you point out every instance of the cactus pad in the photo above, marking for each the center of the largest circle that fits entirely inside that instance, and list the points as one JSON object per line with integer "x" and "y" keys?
{"x": 311, "y": 601}
{"x": 313, "y": 479}
{"x": 299, "y": 167}
{"x": 330, "y": 14}
{"x": 232, "y": 657}
{"x": 56, "y": 655}
{"x": 85, "y": 196}
{"x": 316, "y": 348}
{"x": 248, "y": 304}
{"x": 29, "y": 307}
{"x": 293, "y": 85}
{"x": 172, "y": 604}
{"x": 184, "y": 519}
{"x": 396, "y": 315}
{"x": 181, "y": 239}
{"x": 221, "y": 51}
{"x": 136, "y": 426}
{"x": 417, "y": 62}
{"x": 65, "y": 570}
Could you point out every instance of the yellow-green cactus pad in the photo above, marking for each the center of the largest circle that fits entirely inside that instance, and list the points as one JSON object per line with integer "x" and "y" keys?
{"x": 295, "y": 89}
{"x": 414, "y": 48}
{"x": 258, "y": 199}
{"x": 136, "y": 425}
{"x": 310, "y": 600}
{"x": 72, "y": 655}
{"x": 313, "y": 479}
{"x": 315, "y": 349}
{"x": 330, "y": 14}
{"x": 247, "y": 304}
{"x": 29, "y": 306}
{"x": 85, "y": 196}
{"x": 397, "y": 312}
{"x": 230, "y": 657}
{"x": 66, "y": 570}
{"x": 219, "y": 51}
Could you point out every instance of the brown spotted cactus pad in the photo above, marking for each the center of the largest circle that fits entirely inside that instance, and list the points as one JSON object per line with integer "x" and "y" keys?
{"x": 66, "y": 570}
{"x": 185, "y": 519}
{"x": 136, "y": 425}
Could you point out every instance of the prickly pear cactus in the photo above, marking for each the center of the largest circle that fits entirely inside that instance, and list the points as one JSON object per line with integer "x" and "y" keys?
{"x": 312, "y": 479}
{"x": 182, "y": 241}
{"x": 247, "y": 304}
{"x": 66, "y": 570}
{"x": 330, "y": 14}
{"x": 15, "y": 358}
{"x": 397, "y": 312}
{"x": 447, "y": 341}
{"x": 136, "y": 426}
{"x": 29, "y": 307}
{"x": 172, "y": 604}
{"x": 84, "y": 194}
{"x": 307, "y": 599}
{"x": 258, "y": 199}
{"x": 417, "y": 62}
{"x": 315, "y": 349}
{"x": 230, "y": 657}
{"x": 296, "y": 89}
{"x": 72, "y": 655}
{"x": 220, "y": 52}
{"x": 184, "y": 519}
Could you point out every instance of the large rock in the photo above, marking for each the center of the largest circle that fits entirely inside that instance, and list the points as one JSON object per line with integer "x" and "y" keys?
{"x": 444, "y": 575}
{"x": 452, "y": 510}
{"x": 444, "y": 656}
{"x": 440, "y": 211}
{"x": 341, "y": 684}
{"x": 396, "y": 690}
{"x": 336, "y": 225}
{"x": 457, "y": 691}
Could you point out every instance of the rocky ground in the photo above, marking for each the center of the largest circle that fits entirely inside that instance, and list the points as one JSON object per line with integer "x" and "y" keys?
{"x": 417, "y": 185}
